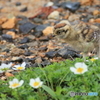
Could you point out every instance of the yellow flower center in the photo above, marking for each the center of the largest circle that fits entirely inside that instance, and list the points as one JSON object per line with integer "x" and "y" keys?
{"x": 92, "y": 59}
{"x": 80, "y": 70}
{"x": 19, "y": 68}
{"x": 15, "y": 84}
{"x": 36, "y": 83}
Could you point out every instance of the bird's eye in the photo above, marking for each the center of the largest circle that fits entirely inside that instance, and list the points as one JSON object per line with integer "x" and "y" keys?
{"x": 58, "y": 32}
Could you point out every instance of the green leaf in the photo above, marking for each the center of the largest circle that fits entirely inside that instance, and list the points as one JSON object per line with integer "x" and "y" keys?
{"x": 50, "y": 91}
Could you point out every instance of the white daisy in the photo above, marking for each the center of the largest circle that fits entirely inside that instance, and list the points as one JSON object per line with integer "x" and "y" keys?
{"x": 4, "y": 67}
{"x": 20, "y": 66}
{"x": 79, "y": 68}
{"x": 35, "y": 83}
{"x": 15, "y": 83}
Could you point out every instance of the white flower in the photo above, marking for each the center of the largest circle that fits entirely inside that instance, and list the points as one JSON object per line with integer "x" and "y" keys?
{"x": 79, "y": 68}
{"x": 15, "y": 83}
{"x": 94, "y": 59}
{"x": 20, "y": 66}
{"x": 35, "y": 83}
{"x": 4, "y": 67}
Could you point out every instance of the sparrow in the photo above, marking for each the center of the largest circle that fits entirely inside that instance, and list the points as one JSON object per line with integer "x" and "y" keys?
{"x": 81, "y": 36}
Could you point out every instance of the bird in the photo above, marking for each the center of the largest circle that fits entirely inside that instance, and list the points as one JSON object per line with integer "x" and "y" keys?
{"x": 81, "y": 36}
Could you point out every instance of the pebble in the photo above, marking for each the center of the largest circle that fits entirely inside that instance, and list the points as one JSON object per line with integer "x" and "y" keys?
{"x": 18, "y": 3}
{"x": 48, "y": 30}
{"x": 9, "y": 24}
{"x": 40, "y": 28}
{"x": 23, "y": 9}
{"x": 51, "y": 54}
{"x": 12, "y": 34}
{"x": 38, "y": 34}
{"x": 37, "y": 20}
{"x": 7, "y": 37}
{"x": 54, "y": 15}
{"x": 17, "y": 53}
{"x": 23, "y": 46}
{"x": 26, "y": 28}
{"x": 66, "y": 53}
{"x": 24, "y": 40}
{"x": 72, "y": 6}
{"x": 49, "y": 4}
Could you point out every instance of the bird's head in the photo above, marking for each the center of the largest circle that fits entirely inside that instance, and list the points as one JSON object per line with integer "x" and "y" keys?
{"x": 62, "y": 30}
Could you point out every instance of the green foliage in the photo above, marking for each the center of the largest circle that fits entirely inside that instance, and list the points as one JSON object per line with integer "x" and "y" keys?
{"x": 58, "y": 82}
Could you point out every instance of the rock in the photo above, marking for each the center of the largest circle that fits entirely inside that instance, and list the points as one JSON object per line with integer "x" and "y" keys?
{"x": 16, "y": 59}
{"x": 17, "y": 52}
{"x": 97, "y": 20}
{"x": 7, "y": 37}
{"x": 54, "y": 15}
{"x": 40, "y": 28}
{"x": 37, "y": 34}
{"x": 48, "y": 30}
{"x": 45, "y": 63}
{"x": 24, "y": 40}
{"x": 12, "y": 34}
{"x": 23, "y": 46}
{"x": 96, "y": 12}
{"x": 2, "y": 20}
{"x": 74, "y": 17}
{"x": 37, "y": 20}
{"x": 72, "y": 6}
{"x": 18, "y": 3}
{"x": 86, "y": 2}
{"x": 51, "y": 54}
{"x": 23, "y": 9}
{"x": 49, "y": 4}
{"x": 10, "y": 23}
{"x": 27, "y": 27}
{"x": 28, "y": 53}
{"x": 44, "y": 38}
{"x": 67, "y": 53}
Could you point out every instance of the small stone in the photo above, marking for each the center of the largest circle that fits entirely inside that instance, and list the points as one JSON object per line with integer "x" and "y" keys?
{"x": 86, "y": 2}
{"x": 51, "y": 54}
{"x": 12, "y": 34}
{"x": 10, "y": 23}
{"x": 72, "y": 6}
{"x": 23, "y": 46}
{"x": 2, "y": 20}
{"x": 45, "y": 63}
{"x": 27, "y": 27}
{"x": 7, "y": 37}
{"x": 48, "y": 30}
{"x": 74, "y": 17}
{"x": 24, "y": 40}
{"x": 38, "y": 60}
{"x": 40, "y": 28}
{"x": 49, "y": 4}
{"x": 96, "y": 12}
{"x": 97, "y": 20}
{"x": 37, "y": 20}
{"x": 37, "y": 34}
{"x": 44, "y": 38}
{"x": 28, "y": 53}
{"x": 18, "y": 3}
{"x": 23, "y": 9}
{"x": 17, "y": 52}
{"x": 54, "y": 15}
{"x": 66, "y": 53}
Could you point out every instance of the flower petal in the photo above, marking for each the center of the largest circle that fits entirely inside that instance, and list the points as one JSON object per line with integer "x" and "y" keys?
{"x": 37, "y": 79}
{"x": 15, "y": 80}
{"x": 81, "y": 65}
{"x": 23, "y": 64}
{"x": 72, "y": 69}
{"x": 21, "y": 82}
